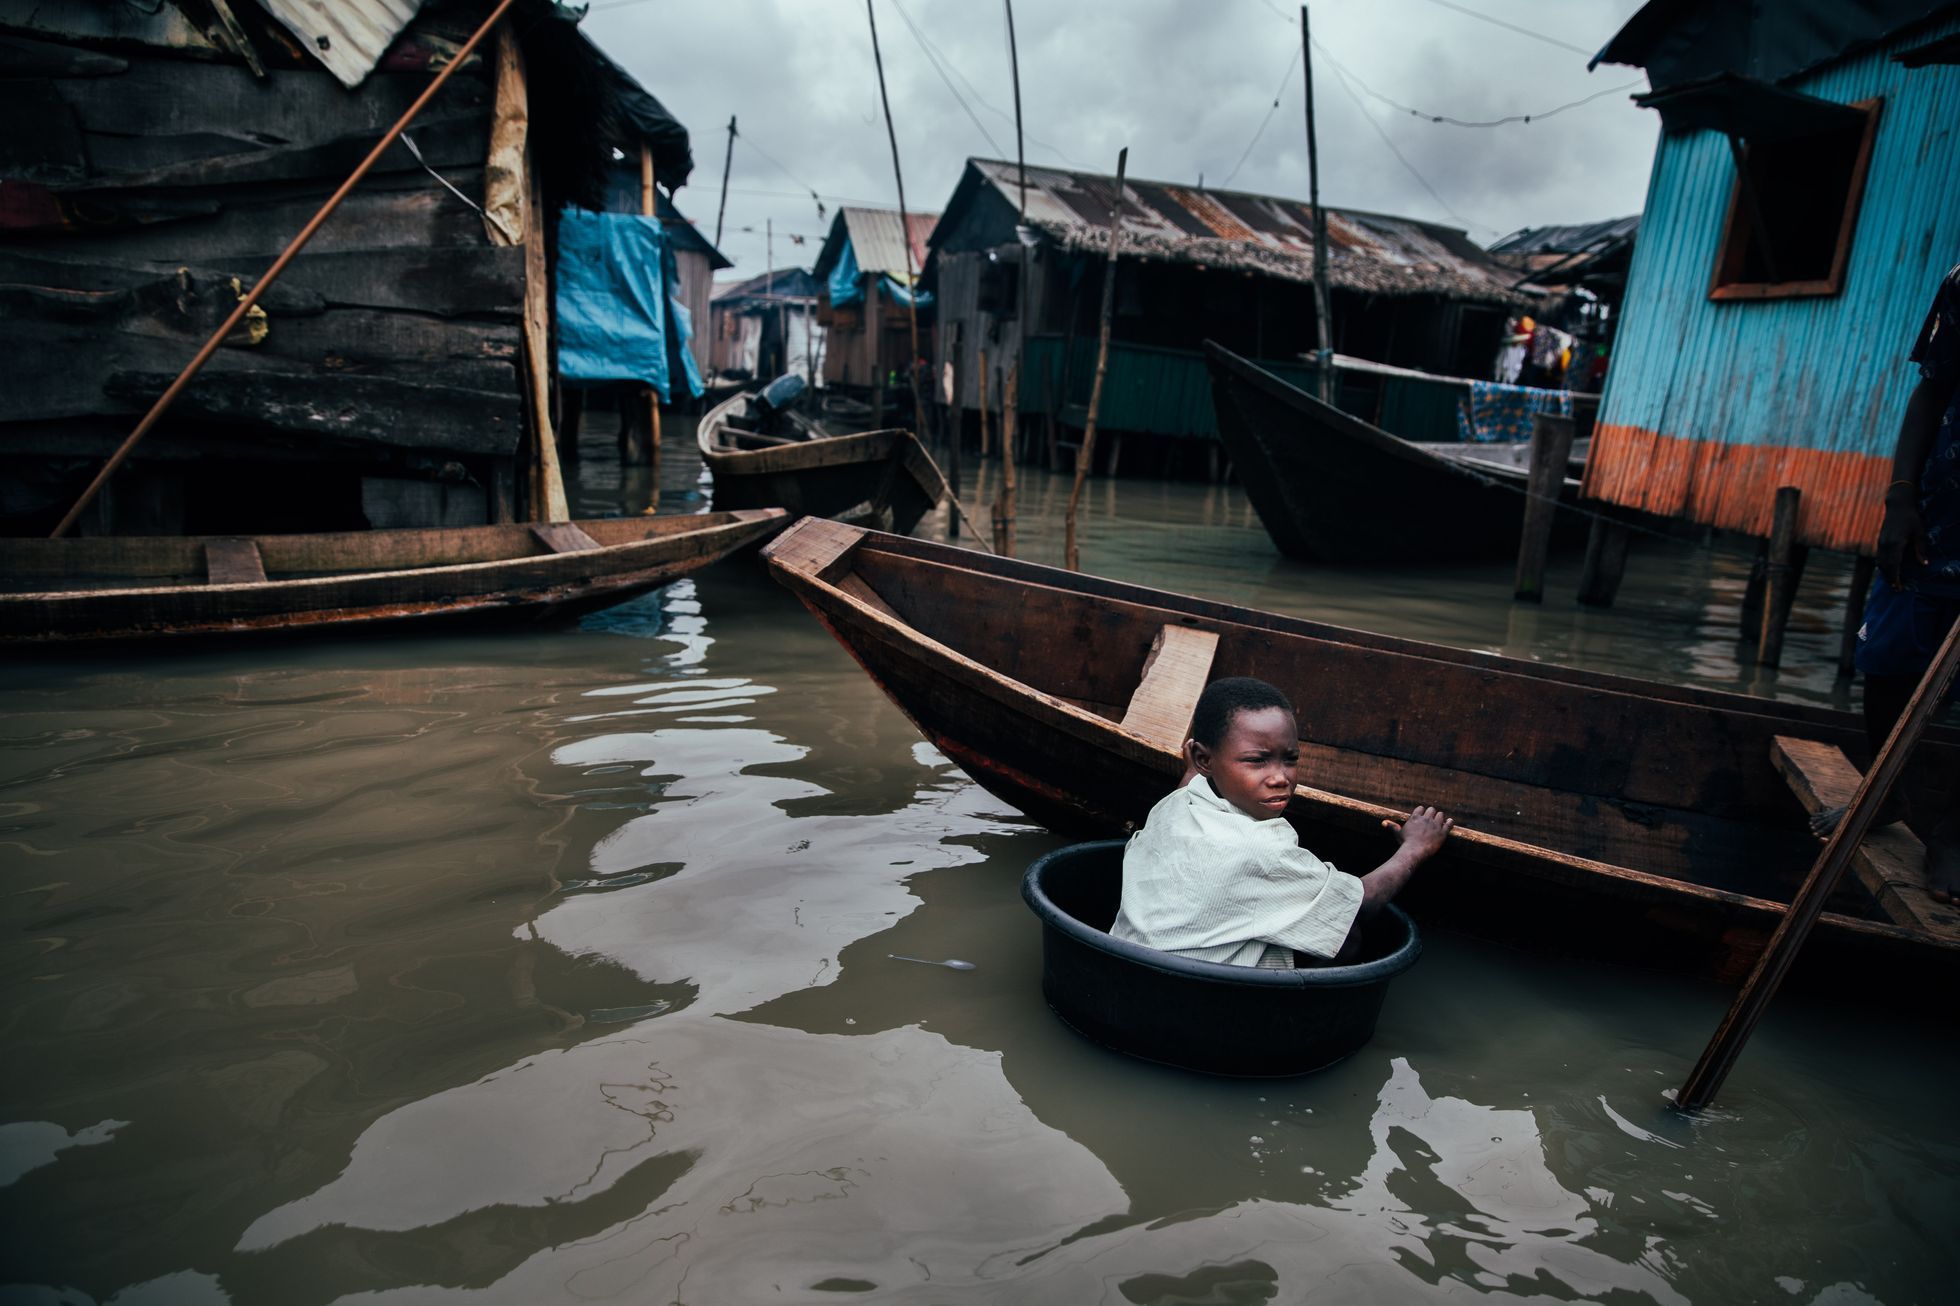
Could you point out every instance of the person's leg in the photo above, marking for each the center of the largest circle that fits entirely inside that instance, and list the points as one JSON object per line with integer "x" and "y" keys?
{"x": 1891, "y": 659}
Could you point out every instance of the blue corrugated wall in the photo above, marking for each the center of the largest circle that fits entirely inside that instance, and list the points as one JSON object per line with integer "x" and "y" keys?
{"x": 1792, "y": 391}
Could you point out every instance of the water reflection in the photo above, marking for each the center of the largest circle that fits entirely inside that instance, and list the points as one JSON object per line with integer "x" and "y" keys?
{"x": 558, "y": 965}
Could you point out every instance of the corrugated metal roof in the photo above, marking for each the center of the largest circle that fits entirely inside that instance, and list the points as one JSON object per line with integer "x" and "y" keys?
{"x": 875, "y": 237}
{"x": 348, "y": 36}
{"x": 1270, "y": 235}
{"x": 1572, "y": 238}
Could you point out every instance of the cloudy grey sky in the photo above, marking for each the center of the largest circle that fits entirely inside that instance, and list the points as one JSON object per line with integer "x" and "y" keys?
{"x": 1185, "y": 84}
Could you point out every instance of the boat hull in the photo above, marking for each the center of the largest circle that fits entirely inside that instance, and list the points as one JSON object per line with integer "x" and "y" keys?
{"x": 884, "y": 479}
{"x": 1223, "y": 1020}
{"x": 1331, "y": 488}
{"x": 1069, "y": 765}
{"x": 453, "y": 579}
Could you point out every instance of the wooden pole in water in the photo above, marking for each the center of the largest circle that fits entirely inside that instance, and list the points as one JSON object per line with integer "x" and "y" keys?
{"x": 1085, "y": 455}
{"x": 1551, "y": 449}
{"x": 984, "y": 380}
{"x": 1323, "y": 313}
{"x": 1010, "y": 422}
{"x": 1720, "y": 1056}
{"x": 650, "y": 207}
{"x": 905, "y": 238}
{"x": 1781, "y": 575}
{"x": 251, "y": 297}
{"x": 1004, "y": 501}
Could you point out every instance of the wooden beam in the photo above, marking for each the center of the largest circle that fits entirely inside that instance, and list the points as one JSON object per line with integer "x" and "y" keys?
{"x": 233, "y": 561}
{"x": 1782, "y": 575}
{"x": 1891, "y": 862}
{"x": 1173, "y": 676}
{"x": 1086, "y": 455}
{"x": 563, "y": 537}
{"x": 1551, "y": 449}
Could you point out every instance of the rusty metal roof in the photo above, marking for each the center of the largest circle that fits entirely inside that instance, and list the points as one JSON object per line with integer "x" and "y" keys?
{"x": 347, "y": 36}
{"x": 874, "y": 237}
{"x": 1270, "y": 235}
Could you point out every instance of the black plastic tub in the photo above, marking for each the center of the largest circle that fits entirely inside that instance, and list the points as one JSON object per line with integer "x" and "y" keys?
{"x": 1200, "y": 1015}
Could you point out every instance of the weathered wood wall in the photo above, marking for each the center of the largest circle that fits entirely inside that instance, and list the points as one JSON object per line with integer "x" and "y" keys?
{"x": 140, "y": 191}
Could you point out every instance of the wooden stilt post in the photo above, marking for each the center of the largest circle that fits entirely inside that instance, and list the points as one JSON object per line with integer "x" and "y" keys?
{"x": 985, "y": 377}
{"x": 1004, "y": 504}
{"x": 650, "y": 207}
{"x": 1720, "y": 1055}
{"x": 1551, "y": 447}
{"x": 1322, "y": 255}
{"x": 1606, "y": 562}
{"x": 1854, "y": 612}
{"x": 1085, "y": 456}
{"x": 952, "y": 391}
{"x": 1780, "y": 577}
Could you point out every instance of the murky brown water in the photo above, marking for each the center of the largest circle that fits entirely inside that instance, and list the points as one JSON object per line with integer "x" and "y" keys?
{"x": 552, "y": 965}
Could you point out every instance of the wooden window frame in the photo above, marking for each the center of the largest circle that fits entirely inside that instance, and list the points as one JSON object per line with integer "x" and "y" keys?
{"x": 1733, "y": 251}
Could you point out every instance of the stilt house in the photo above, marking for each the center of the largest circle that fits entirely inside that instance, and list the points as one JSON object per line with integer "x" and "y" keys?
{"x": 1200, "y": 264}
{"x": 154, "y": 159}
{"x": 766, "y": 326}
{"x": 862, "y": 269}
{"x": 1800, "y": 215}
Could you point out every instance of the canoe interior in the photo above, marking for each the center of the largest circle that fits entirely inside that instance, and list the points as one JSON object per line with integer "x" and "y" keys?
{"x": 33, "y": 565}
{"x": 1680, "y": 787}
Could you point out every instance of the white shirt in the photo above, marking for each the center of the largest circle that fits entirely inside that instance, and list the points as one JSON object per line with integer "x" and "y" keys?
{"x": 1205, "y": 880}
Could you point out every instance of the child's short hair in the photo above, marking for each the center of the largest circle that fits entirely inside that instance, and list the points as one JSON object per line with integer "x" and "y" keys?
{"x": 1225, "y": 699}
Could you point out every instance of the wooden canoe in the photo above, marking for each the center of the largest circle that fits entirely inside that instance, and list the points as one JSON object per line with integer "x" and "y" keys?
{"x": 142, "y": 587}
{"x": 880, "y": 478}
{"x": 1599, "y": 814}
{"x": 1329, "y": 487}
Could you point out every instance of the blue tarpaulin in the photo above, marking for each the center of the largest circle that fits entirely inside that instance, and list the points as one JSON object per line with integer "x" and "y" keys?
{"x": 619, "y": 313}
{"x": 901, "y": 296}
{"x": 844, "y": 287}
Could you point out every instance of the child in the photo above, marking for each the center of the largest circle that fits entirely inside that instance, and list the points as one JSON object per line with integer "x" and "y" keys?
{"x": 1217, "y": 874}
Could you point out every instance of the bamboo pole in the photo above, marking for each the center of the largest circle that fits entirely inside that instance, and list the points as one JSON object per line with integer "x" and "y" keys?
{"x": 1004, "y": 500}
{"x": 1323, "y": 311}
{"x": 251, "y": 297}
{"x": 1085, "y": 455}
{"x": 1010, "y": 419}
{"x": 650, "y": 207}
{"x": 904, "y": 235}
{"x": 1720, "y": 1055}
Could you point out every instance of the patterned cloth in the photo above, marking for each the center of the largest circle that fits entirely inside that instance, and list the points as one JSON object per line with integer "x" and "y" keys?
{"x": 1502, "y": 413}
{"x": 1204, "y": 880}
{"x": 1937, "y": 351}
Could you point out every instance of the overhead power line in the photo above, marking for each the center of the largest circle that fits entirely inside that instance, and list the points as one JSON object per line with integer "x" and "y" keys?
{"x": 1341, "y": 76}
{"x": 1427, "y": 116}
{"x": 1512, "y": 27}
{"x": 1284, "y": 81}
{"x": 933, "y": 59}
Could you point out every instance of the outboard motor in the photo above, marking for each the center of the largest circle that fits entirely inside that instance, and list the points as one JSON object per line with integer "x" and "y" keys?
{"x": 775, "y": 399}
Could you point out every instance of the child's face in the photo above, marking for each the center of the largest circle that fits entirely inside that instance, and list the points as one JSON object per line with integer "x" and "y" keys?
{"x": 1253, "y": 766}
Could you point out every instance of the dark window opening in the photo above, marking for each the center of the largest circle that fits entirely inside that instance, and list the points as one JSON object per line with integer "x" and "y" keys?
{"x": 1792, "y": 212}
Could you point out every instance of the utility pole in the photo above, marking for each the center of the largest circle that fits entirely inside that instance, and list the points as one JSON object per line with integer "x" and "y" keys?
{"x": 727, "y": 162}
{"x": 1004, "y": 508}
{"x": 1324, "y": 357}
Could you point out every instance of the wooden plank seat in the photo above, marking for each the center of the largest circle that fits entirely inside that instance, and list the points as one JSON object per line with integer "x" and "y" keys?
{"x": 1173, "y": 676}
{"x": 563, "y": 537}
{"x": 233, "y": 561}
{"x": 1891, "y": 863}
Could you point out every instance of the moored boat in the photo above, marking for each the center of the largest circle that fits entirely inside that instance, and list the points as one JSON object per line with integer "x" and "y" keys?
{"x": 883, "y": 478}
{"x": 1597, "y": 814}
{"x": 143, "y": 587}
{"x": 1330, "y": 487}
{"x": 1199, "y": 1015}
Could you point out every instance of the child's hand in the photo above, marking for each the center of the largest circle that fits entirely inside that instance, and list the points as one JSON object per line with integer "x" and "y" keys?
{"x": 1423, "y": 833}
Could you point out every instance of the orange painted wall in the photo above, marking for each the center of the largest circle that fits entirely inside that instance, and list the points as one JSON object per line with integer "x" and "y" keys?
{"x": 1733, "y": 486}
